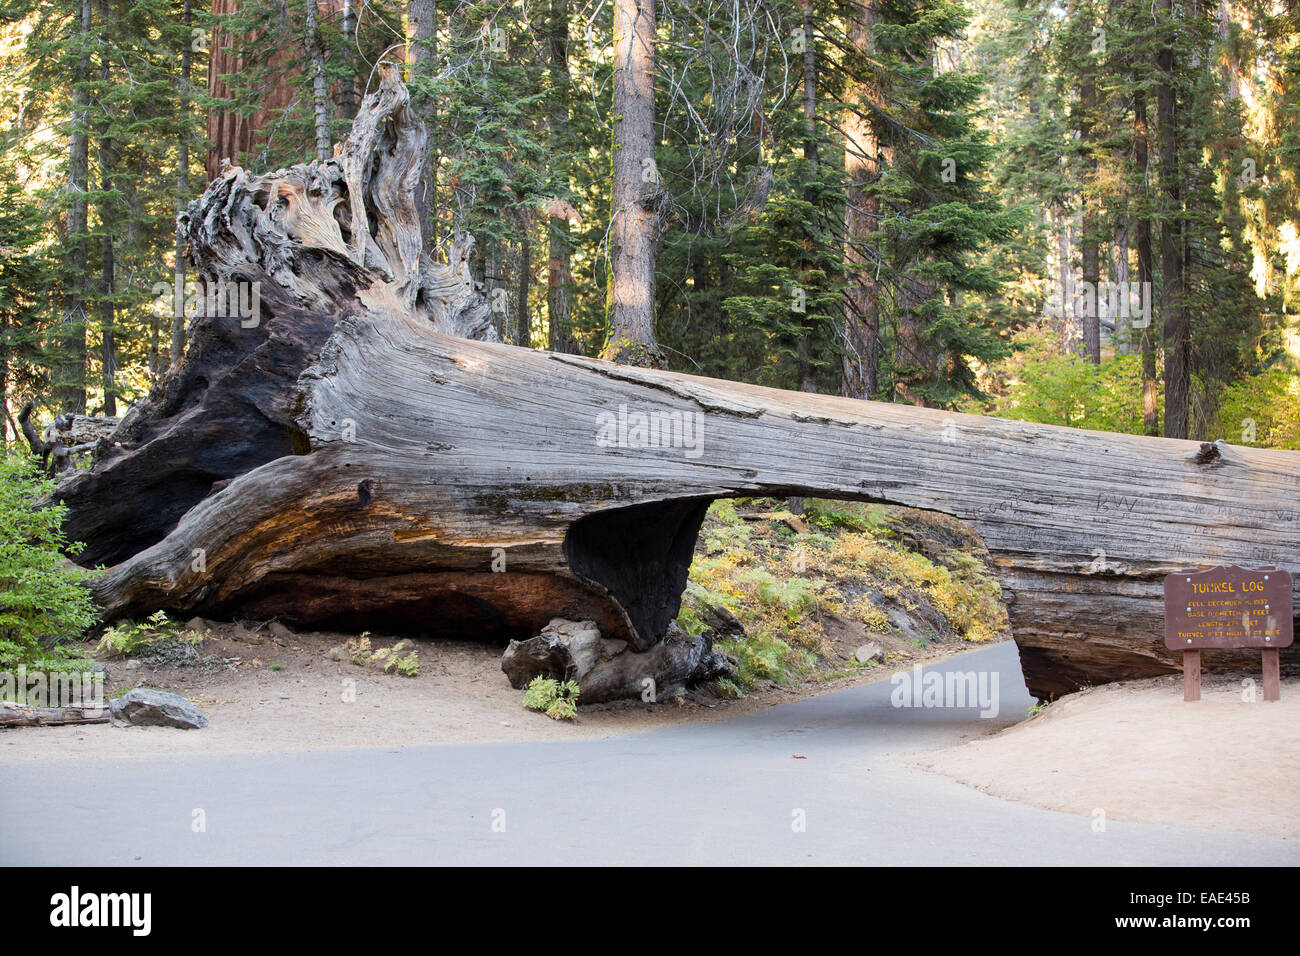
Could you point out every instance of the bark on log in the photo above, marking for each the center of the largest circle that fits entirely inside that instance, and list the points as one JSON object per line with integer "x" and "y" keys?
{"x": 365, "y": 458}
{"x": 21, "y": 715}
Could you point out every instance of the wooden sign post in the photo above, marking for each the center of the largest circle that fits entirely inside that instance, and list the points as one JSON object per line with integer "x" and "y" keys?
{"x": 1228, "y": 607}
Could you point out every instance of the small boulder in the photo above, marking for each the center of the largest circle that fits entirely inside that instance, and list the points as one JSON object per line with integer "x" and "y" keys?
{"x": 142, "y": 707}
{"x": 870, "y": 652}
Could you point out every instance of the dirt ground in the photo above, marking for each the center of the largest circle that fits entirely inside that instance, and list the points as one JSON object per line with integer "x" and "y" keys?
{"x": 1137, "y": 752}
{"x": 263, "y": 692}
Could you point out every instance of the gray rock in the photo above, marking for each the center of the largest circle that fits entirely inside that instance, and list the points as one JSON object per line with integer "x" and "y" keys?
{"x": 142, "y": 707}
{"x": 870, "y": 652}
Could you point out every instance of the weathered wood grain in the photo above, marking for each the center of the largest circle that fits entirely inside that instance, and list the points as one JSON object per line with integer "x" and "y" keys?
{"x": 21, "y": 715}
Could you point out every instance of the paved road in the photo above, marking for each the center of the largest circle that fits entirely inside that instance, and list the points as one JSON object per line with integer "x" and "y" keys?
{"x": 727, "y": 792}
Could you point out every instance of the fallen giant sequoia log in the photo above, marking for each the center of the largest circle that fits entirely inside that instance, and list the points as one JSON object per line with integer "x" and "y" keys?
{"x": 361, "y": 456}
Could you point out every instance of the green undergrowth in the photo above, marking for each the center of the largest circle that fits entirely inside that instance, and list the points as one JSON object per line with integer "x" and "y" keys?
{"x": 556, "y": 699}
{"x": 156, "y": 638}
{"x": 792, "y": 580}
{"x": 44, "y": 606}
{"x": 402, "y": 658}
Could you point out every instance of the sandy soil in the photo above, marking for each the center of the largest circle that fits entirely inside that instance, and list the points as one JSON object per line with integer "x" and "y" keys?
{"x": 263, "y": 692}
{"x": 1138, "y": 752}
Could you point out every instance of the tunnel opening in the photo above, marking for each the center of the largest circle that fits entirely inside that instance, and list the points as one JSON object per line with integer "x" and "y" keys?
{"x": 825, "y": 578}
{"x": 641, "y": 556}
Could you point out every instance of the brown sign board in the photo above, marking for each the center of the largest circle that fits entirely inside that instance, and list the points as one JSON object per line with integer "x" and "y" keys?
{"x": 1228, "y": 607}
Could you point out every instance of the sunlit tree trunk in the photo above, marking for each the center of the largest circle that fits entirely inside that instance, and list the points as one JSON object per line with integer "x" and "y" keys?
{"x": 108, "y": 257}
{"x": 559, "y": 277}
{"x": 348, "y": 85}
{"x": 319, "y": 83}
{"x": 862, "y": 162}
{"x": 1088, "y": 239}
{"x": 70, "y": 387}
{"x": 811, "y": 158}
{"x": 421, "y": 57}
{"x": 1141, "y": 157}
{"x": 631, "y": 337}
{"x": 1176, "y": 332}
{"x": 182, "y": 176}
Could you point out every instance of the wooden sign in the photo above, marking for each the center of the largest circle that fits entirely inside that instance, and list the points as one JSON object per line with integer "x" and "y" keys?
{"x": 1228, "y": 607}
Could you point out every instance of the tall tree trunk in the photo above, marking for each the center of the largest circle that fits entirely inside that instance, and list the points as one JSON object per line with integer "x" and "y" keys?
{"x": 348, "y": 86}
{"x": 234, "y": 134}
{"x": 559, "y": 277}
{"x": 1232, "y": 63}
{"x": 421, "y": 57}
{"x": 634, "y": 232}
{"x": 494, "y": 284}
{"x": 1119, "y": 272}
{"x": 862, "y": 167}
{"x": 1064, "y": 273}
{"x": 107, "y": 219}
{"x": 1141, "y": 156}
{"x": 1176, "y": 332}
{"x": 811, "y": 159}
{"x": 1088, "y": 239}
{"x": 4, "y": 384}
{"x": 523, "y": 332}
{"x": 70, "y": 387}
{"x": 319, "y": 82}
{"x": 911, "y": 352}
{"x": 182, "y": 180}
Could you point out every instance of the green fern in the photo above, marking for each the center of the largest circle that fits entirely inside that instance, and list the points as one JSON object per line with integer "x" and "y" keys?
{"x": 557, "y": 700}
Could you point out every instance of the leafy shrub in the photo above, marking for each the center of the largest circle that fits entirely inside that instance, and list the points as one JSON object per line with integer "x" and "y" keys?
{"x": 1271, "y": 402}
{"x": 358, "y": 651}
{"x": 848, "y": 516}
{"x": 388, "y": 659}
{"x": 43, "y": 604}
{"x": 393, "y": 660}
{"x": 130, "y": 637}
{"x": 1053, "y": 388}
{"x": 763, "y": 656}
{"x": 557, "y": 700}
{"x": 156, "y": 640}
{"x": 727, "y": 689}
